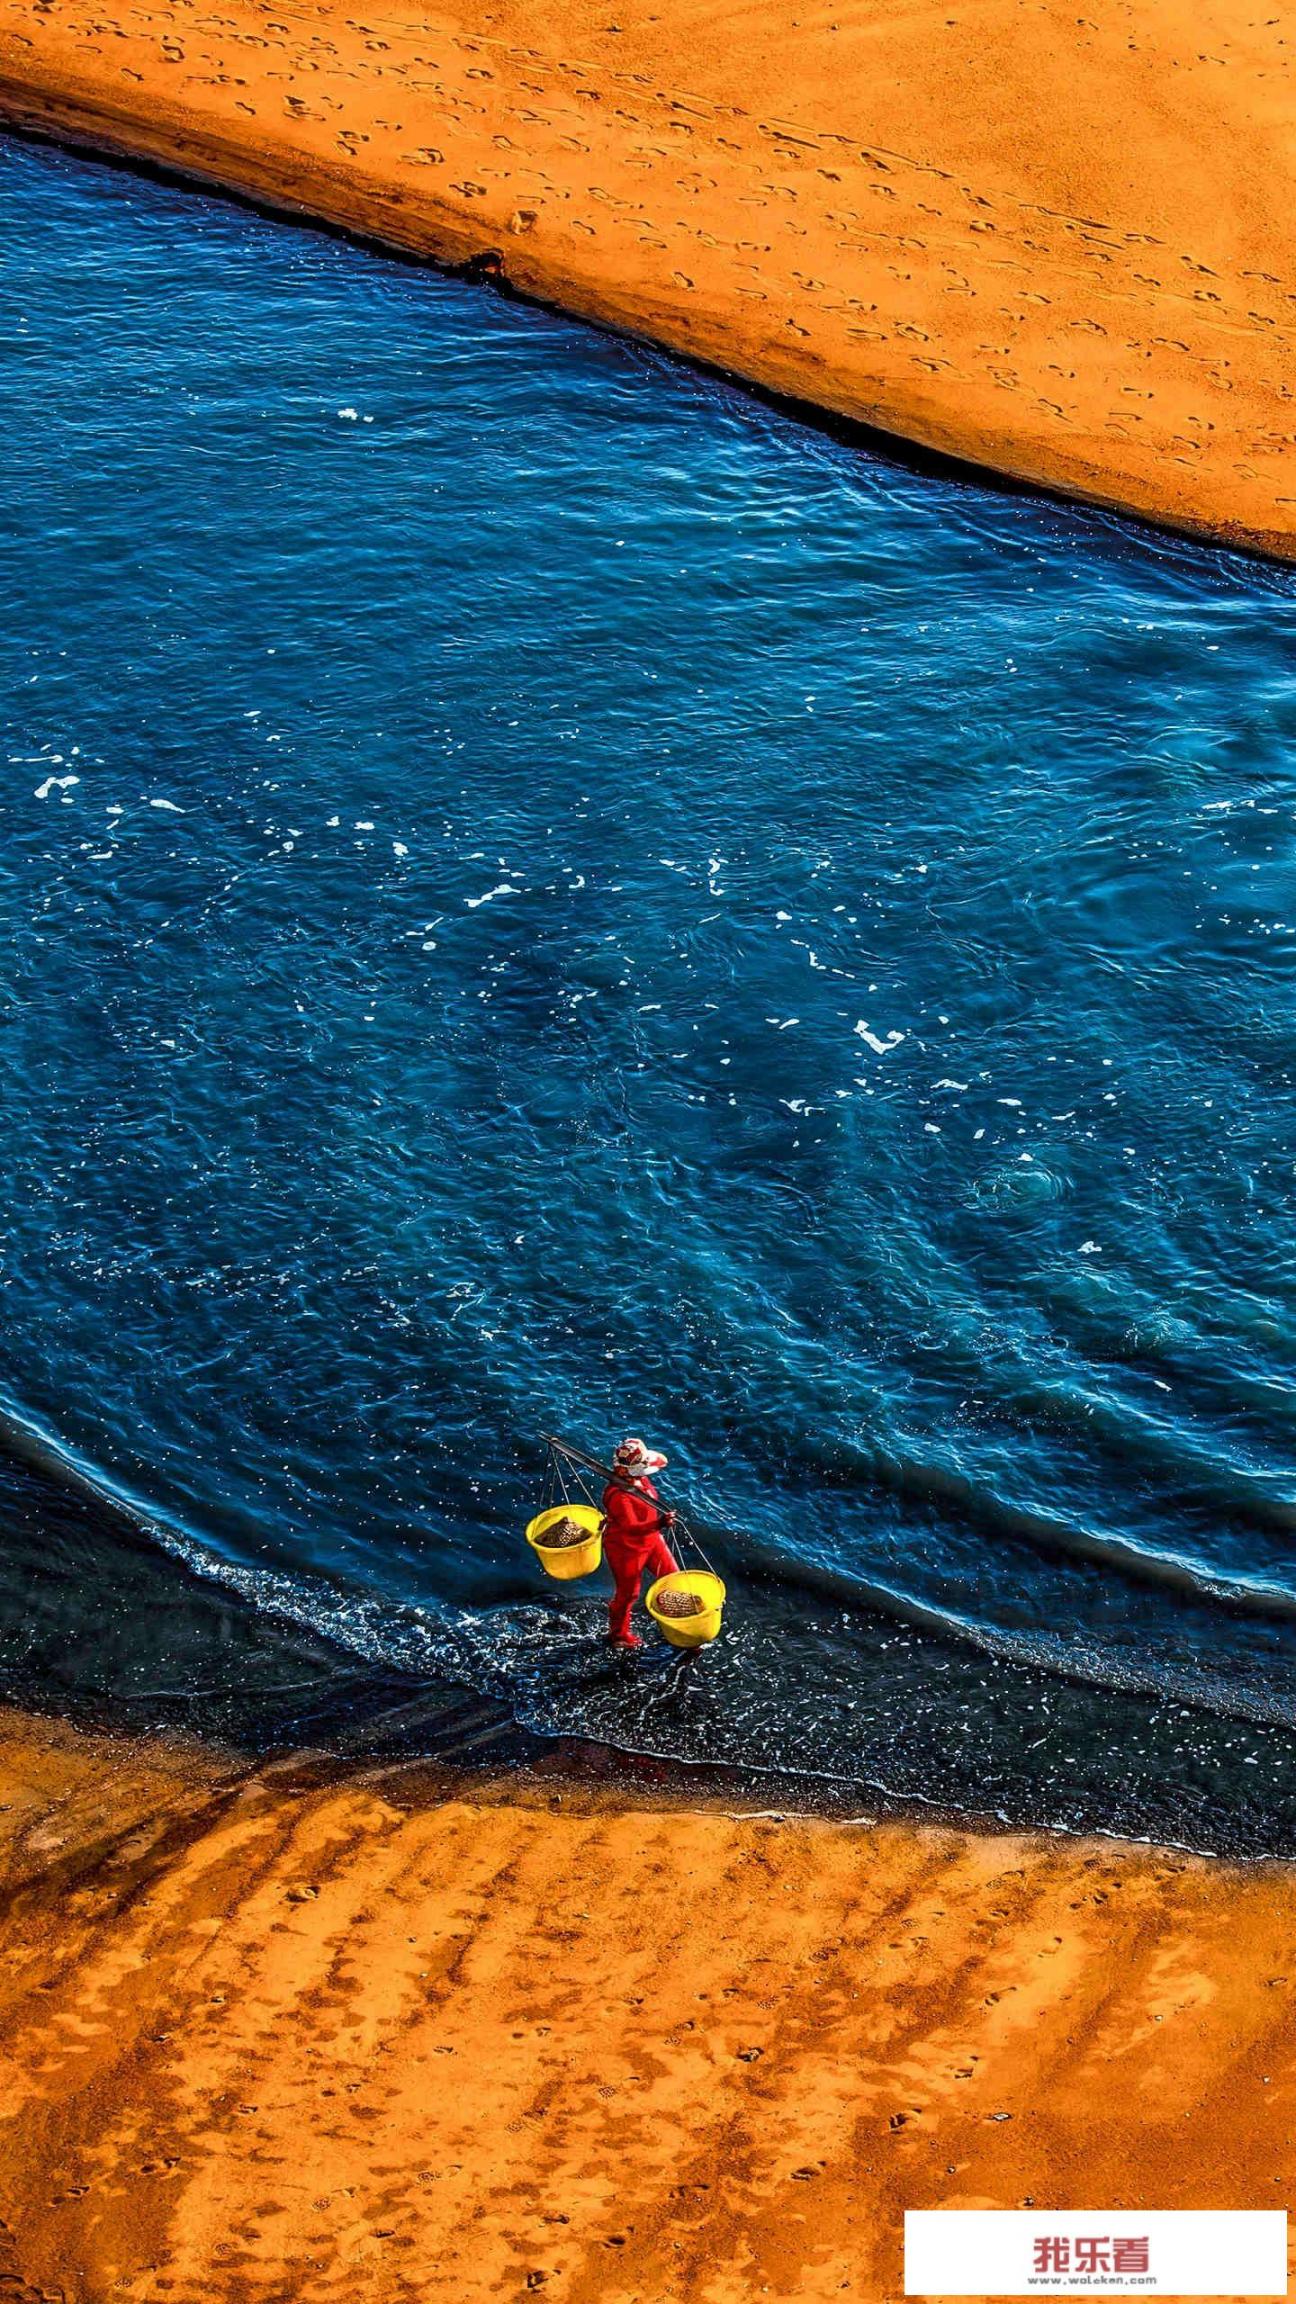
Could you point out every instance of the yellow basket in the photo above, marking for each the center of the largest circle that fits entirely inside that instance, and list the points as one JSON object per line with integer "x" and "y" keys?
{"x": 689, "y": 1631}
{"x": 567, "y": 1560}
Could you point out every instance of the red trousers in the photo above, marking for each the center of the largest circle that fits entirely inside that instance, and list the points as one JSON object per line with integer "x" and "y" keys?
{"x": 629, "y": 1569}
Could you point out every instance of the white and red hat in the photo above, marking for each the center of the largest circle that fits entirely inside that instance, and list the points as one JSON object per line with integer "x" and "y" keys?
{"x": 636, "y": 1461}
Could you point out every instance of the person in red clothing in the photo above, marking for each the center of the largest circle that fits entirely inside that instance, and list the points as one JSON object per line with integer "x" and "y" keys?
{"x": 633, "y": 1544}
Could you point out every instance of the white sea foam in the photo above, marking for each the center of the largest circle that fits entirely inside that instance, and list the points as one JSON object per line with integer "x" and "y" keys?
{"x": 880, "y": 1047}
{"x": 505, "y": 888}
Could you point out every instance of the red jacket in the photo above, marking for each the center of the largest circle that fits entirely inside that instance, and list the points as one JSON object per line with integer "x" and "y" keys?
{"x": 631, "y": 1521}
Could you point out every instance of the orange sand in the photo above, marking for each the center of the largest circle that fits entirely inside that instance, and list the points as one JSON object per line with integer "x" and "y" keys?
{"x": 338, "y": 2041}
{"x": 1062, "y": 245}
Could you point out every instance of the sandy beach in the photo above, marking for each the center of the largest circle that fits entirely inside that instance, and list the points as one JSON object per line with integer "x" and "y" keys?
{"x": 302, "y": 2035}
{"x": 1061, "y": 246}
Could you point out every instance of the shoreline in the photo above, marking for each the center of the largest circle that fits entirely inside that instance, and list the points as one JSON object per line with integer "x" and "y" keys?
{"x": 265, "y": 2026}
{"x": 468, "y": 1746}
{"x": 847, "y": 248}
{"x": 229, "y": 1674}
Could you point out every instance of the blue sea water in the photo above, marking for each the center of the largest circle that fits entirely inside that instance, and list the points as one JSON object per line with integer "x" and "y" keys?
{"x": 541, "y": 893}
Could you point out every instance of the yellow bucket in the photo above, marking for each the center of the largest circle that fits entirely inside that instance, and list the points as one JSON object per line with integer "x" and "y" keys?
{"x": 567, "y": 1560}
{"x": 689, "y": 1631}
